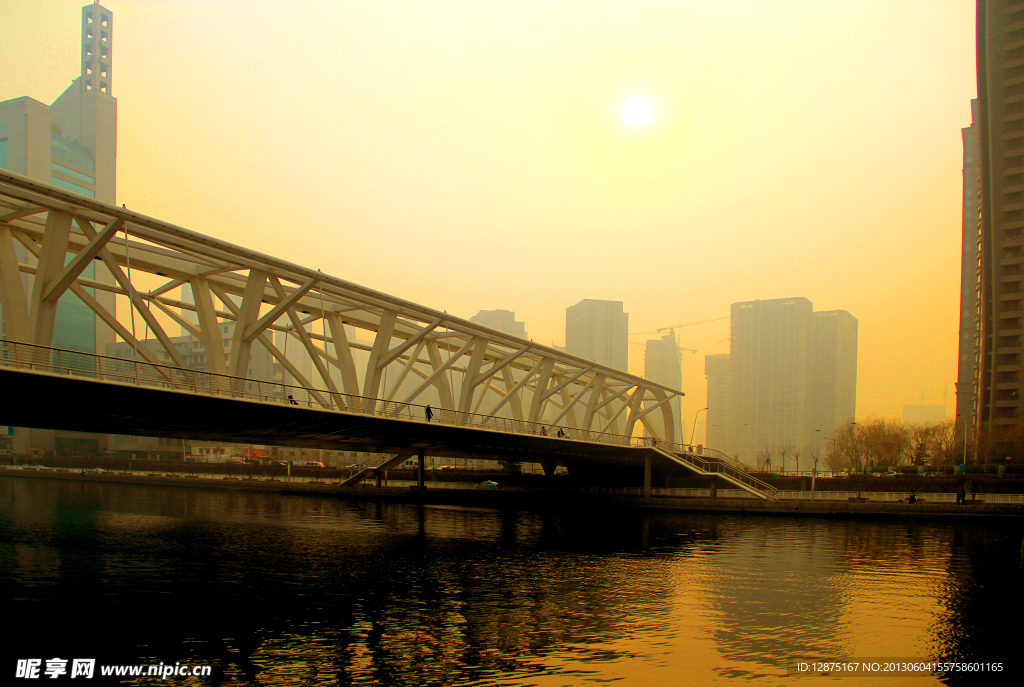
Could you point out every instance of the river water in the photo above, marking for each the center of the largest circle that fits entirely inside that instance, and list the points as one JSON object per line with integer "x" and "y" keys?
{"x": 284, "y": 590}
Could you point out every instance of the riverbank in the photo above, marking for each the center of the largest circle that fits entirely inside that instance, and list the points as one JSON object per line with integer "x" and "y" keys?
{"x": 508, "y": 498}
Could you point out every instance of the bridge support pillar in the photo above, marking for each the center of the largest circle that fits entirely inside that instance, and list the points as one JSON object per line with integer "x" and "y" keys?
{"x": 549, "y": 467}
{"x": 713, "y": 487}
{"x": 379, "y": 475}
{"x": 419, "y": 469}
{"x": 647, "y": 476}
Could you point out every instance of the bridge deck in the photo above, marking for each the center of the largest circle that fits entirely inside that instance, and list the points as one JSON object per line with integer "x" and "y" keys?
{"x": 47, "y": 387}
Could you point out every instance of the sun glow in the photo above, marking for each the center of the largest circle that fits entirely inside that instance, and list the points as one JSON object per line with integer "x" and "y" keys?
{"x": 637, "y": 111}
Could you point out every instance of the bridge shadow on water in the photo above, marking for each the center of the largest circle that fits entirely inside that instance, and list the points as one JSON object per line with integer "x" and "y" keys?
{"x": 275, "y": 589}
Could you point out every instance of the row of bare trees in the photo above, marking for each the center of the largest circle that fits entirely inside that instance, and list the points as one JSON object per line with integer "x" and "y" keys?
{"x": 885, "y": 441}
{"x": 872, "y": 442}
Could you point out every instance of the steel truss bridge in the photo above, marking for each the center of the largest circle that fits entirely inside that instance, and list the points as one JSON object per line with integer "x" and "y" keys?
{"x": 495, "y": 394}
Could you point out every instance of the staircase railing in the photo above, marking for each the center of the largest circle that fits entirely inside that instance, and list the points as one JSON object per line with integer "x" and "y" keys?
{"x": 727, "y": 470}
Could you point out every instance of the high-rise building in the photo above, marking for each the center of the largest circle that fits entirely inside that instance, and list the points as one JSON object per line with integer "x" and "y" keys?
{"x": 968, "y": 358}
{"x": 721, "y": 434}
{"x": 598, "y": 331}
{"x": 832, "y": 377}
{"x": 789, "y": 380}
{"x": 71, "y": 144}
{"x": 502, "y": 320}
{"x": 662, "y": 365}
{"x": 1000, "y": 122}
{"x": 770, "y": 343}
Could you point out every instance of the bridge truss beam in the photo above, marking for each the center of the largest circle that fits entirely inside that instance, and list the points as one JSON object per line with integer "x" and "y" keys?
{"x": 335, "y": 333}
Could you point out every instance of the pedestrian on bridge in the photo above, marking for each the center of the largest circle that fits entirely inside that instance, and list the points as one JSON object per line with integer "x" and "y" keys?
{"x": 561, "y": 433}
{"x": 429, "y": 413}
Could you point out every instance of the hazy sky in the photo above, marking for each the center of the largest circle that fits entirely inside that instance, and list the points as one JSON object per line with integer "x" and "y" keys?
{"x": 469, "y": 155}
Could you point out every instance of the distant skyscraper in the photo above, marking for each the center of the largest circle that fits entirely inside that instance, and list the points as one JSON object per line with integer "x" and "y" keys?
{"x": 832, "y": 378}
{"x": 790, "y": 372}
{"x": 721, "y": 433}
{"x": 662, "y": 365}
{"x": 970, "y": 285}
{"x": 770, "y": 364}
{"x": 71, "y": 144}
{"x": 1000, "y": 122}
{"x": 502, "y": 320}
{"x": 598, "y": 331}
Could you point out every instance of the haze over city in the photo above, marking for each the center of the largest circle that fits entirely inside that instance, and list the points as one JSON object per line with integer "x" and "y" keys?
{"x": 473, "y": 156}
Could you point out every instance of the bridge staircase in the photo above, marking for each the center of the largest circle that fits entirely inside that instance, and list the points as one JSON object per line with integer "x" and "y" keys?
{"x": 710, "y": 462}
{"x": 378, "y": 470}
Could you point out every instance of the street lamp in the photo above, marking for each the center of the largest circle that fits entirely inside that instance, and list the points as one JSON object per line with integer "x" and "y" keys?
{"x": 694, "y": 432}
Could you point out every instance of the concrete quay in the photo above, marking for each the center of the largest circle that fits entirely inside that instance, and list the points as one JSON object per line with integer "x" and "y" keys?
{"x": 521, "y": 498}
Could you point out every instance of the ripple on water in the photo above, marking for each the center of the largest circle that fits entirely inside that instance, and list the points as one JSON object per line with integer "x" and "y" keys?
{"x": 280, "y": 590}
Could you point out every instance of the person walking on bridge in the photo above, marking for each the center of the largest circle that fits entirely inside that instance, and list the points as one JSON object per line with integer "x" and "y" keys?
{"x": 429, "y": 413}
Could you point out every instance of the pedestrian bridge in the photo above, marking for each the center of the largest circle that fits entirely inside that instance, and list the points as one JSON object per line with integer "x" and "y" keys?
{"x": 69, "y": 390}
{"x": 360, "y": 366}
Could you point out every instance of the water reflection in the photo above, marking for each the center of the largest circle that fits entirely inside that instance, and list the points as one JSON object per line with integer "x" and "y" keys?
{"x": 273, "y": 589}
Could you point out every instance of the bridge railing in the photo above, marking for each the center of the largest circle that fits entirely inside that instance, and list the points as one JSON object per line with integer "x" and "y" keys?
{"x": 155, "y": 375}
{"x": 705, "y": 452}
{"x": 714, "y": 465}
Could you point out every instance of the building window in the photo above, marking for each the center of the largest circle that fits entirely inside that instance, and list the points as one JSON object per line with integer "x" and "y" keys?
{"x": 61, "y": 169}
{"x": 74, "y": 188}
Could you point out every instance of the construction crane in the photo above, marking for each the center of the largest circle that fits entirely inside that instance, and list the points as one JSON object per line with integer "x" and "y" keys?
{"x": 679, "y": 348}
{"x": 674, "y": 327}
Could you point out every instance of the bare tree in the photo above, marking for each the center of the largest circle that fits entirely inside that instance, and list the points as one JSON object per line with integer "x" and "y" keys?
{"x": 785, "y": 449}
{"x": 921, "y": 438}
{"x": 944, "y": 442}
{"x": 842, "y": 452}
{"x": 764, "y": 459}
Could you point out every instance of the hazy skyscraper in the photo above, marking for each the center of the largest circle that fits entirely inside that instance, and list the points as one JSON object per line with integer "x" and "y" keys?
{"x": 1000, "y": 122}
{"x": 502, "y": 320}
{"x": 721, "y": 433}
{"x": 770, "y": 364}
{"x": 662, "y": 365}
{"x": 598, "y": 331}
{"x": 70, "y": 144}
{"x": 832, "y": 377}
{"x": 790, "y": 372}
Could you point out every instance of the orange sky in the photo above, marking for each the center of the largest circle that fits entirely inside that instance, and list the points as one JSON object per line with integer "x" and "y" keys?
{"x": 467, "y": 155}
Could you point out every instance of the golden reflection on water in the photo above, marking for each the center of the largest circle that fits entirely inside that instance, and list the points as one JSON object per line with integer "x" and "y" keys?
{"x": 281, "y": 590}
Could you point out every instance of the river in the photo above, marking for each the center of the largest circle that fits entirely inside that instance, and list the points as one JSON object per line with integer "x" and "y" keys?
{"x": 272, "y": 589}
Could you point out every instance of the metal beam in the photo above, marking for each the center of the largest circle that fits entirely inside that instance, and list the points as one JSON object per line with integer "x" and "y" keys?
{"x": 56, "y": 288}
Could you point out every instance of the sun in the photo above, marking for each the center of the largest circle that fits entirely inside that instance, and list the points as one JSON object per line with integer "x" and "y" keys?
{"x": 637, "y": 111}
